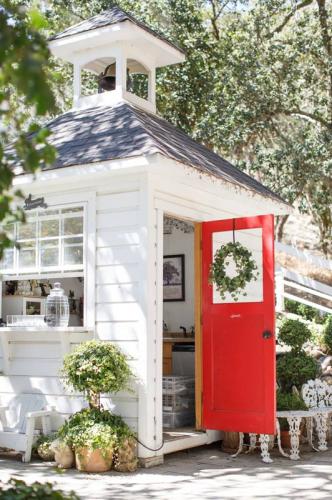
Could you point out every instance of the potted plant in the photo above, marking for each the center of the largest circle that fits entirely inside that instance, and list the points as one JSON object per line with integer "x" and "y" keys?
{"x": 93, "y": 368}
{"x": 294, "y": 368}
{"x": 97, "y": 436}
{"x": 289, "y": 402}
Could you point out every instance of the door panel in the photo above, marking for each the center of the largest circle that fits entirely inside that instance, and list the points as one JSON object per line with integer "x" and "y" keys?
{"x": 238, "y": 363}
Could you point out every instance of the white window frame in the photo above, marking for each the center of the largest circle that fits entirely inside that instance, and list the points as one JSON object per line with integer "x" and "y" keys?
{"x": 87, "y": 270}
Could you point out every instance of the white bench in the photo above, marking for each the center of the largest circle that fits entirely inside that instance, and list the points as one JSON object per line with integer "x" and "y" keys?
{"x": 18, "y": 423}
{"x": 317, "y": 396}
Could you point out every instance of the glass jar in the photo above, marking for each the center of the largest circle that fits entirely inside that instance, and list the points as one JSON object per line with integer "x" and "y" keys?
{"x": 57, "y": 307}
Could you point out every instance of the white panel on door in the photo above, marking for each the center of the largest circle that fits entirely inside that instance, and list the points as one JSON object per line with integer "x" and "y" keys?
{"x": 251, "y": 239}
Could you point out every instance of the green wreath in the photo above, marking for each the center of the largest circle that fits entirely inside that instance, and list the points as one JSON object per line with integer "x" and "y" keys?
{"x": 246, "y": 268}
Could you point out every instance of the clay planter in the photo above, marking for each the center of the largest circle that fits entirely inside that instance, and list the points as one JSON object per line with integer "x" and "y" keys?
{"x": 285, "y": 439}
{"x": 63, "y": 455}
{"x": 89, "y": 460}
{"x": 230, "y": 442}
{"x": 125, "y": 459}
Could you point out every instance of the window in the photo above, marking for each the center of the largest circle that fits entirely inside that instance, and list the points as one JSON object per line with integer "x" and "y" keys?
{"x": 50, "y": 240}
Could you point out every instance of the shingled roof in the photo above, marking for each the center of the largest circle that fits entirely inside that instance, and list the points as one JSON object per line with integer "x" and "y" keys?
{"x": 124, "y": 131}
{"x": 107, "y": 18}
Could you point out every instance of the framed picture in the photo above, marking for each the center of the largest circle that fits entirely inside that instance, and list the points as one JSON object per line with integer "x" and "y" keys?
{"x": 173, "y": 278}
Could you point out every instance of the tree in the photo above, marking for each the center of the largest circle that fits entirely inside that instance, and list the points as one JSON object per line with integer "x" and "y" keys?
{"x": 256, "y": 86}
{"x": 25, "y": 97}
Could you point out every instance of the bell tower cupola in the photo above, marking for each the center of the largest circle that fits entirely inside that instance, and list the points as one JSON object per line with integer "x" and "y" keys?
{"x": 115, "y": 57}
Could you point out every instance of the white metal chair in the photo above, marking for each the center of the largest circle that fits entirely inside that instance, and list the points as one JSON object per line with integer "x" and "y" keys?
{"x": 18, "y": 422}
{"x": 317, "y": 395}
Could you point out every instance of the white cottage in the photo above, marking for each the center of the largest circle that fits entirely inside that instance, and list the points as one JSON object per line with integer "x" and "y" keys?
{"x": 129, "y": 195}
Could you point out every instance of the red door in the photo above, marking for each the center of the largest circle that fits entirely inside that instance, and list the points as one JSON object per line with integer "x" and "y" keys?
{"x": 238, "y": 337}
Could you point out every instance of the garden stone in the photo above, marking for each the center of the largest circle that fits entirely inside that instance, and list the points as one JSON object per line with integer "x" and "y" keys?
{"x": 326, "y": 365}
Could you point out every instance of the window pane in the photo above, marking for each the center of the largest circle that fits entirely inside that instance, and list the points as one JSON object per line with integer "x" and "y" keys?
{"x": 7, "y": 261}
{"x": 27, "y": 255}
{"x": 49, "y": 253}
{"x": 49, "y": 212}
{"x": 10, "y": 231}
{"x": 73, "y": 241}
{"x": 27, "y": 231}
{"x": 73, "y": 225}
{"x": 71, "y": 210}
{"x": 49, "y": 228}
{"x": 73, "y": 255}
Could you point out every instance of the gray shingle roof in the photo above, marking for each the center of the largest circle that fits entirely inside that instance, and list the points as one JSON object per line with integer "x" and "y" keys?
{"x": 123, "y": 131}
{"x": 112, "y": 16}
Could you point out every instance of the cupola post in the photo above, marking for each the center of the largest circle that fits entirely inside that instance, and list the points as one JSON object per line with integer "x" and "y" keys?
{"x": 122, "y": 56}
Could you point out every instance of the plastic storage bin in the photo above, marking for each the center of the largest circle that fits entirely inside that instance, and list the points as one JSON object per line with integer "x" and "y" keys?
{"x": 175, "y": 419}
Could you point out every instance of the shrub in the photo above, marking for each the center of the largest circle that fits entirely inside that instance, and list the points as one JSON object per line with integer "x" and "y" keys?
{"x": 289, "y": 401}
{"x": 295, "y": 368}
{"x": 294, "y": 333}
{"x": 16, "y": 489}
{"x": 96, "y": 367}
{"x": 307, "y": 312}
{"x": 95, "y": 429}
{"x": 327, "y": 333}
{"x": 292, "y": 306}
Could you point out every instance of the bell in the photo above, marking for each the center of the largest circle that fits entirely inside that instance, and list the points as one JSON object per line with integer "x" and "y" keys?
{"x": 106, "y": 79}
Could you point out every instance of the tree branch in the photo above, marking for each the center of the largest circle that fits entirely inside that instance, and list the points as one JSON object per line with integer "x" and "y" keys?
{"x": 306, "y": 114}
{"x": 326, "y": 38}
{"x": 289, "y": 16}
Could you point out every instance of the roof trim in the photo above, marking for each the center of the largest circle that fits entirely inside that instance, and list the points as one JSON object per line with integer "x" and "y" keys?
{"x": 126, "y": 17}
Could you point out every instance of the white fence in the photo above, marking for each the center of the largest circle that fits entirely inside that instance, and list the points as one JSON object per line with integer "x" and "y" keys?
{"x": 295, "y": 282}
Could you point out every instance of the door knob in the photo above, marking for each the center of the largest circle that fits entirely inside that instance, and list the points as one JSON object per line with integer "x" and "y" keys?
{"x": 267, "y": 334}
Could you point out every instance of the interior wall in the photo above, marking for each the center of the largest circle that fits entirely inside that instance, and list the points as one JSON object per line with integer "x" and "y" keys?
{"x": 178, "y": 314}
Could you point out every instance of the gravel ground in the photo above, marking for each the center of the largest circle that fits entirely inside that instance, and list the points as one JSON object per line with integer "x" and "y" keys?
{"x": 201, "y": 473}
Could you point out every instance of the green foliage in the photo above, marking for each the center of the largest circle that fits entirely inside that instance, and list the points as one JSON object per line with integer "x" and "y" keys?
{"x": 294, "y": 369}
{"x": 289, "y": 401}
{"x": 96, "y": 367}
{"x": 307, "y": 312}
{"x": 95, "y": 429}
{"x": 17, "y": 489}
{"x": 292, "y": 306}
{"x": 327, "y": 333}
{"x": 294, "y": 333}
{"x": 25, "y": 97}
{"x": 245, "y": 266}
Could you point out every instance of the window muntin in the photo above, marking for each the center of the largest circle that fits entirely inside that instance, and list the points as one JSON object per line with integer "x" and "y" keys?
{"x": 49, "y": 240}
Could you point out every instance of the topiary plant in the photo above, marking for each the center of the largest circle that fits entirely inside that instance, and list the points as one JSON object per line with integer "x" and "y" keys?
{"x": 294, "y": 369}
{"x": 294, "y": 333}
{"x": 327, "y": 333}
{"x": 289, "y": 401}
{"x": 96, "y": 367}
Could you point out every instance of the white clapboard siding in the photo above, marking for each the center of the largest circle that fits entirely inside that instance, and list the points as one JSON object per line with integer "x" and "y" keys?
{"x": 128, "y": 330}
{"x": 115, "y": 202}
{"x": 118, "y": 312}
{"x": 118, "y": 236}
{"x": 49, "y": 386}
{"x": 129, "y": 218}
{"x": 128, "y": 292}
{"x": 128, "y": 273}
{"x": 28, "y": 350}
{"x": 128, "y": 254}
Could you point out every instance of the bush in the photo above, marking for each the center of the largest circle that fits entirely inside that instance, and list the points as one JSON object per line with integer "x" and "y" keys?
{"x": 295, "y": 368}
{"x": 289, "y": 401}
{"x": 95, "y": 429}
{"x": 96, "y": 367}
{"x": 294, "y": 333}
{"x": 16, "y": 489}
{"x": 292, "y": 306}
{"x": 307, "y": 312}
{"x": 327, "y": 333}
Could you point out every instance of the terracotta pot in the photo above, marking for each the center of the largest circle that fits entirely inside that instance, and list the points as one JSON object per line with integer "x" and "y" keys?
{"x": 89, "y": 460}
{"x": 125, "y": 458}
{"x": 230, "y": 441}
{"x": 285, "y": 439}
{"x": 63, "y": 454}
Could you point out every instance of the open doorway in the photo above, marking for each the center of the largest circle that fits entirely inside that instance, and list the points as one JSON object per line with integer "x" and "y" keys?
{"x": 181, "y": 322}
